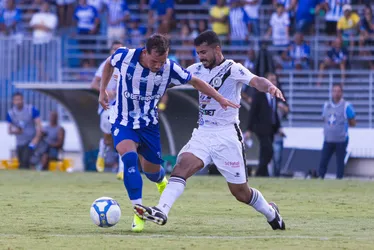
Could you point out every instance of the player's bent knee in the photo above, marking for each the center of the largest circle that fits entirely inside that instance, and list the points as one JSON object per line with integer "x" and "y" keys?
{"x": 187, "y": 165}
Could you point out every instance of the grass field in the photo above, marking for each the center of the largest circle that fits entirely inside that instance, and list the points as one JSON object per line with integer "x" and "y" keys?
{"x": 51, "y": 211}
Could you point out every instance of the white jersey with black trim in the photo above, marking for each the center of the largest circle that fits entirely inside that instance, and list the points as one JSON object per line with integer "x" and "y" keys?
{"x": 228, "y": 79}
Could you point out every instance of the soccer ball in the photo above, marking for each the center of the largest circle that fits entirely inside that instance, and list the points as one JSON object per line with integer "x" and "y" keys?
{"x": 105, "y": 212}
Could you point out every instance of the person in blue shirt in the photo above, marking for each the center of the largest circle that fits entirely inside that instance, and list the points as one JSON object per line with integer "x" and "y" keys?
{"x": 145, "y": 74}
{"x": 164, "y": 10}
{"x": 87, "y": 19}
{"x": 305, "y": 13}
{"x": 338, "y": 115}
{"x": 10, "y": 18}
{"x": 337, "y": 57}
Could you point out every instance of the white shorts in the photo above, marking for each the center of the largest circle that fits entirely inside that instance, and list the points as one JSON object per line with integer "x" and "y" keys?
{"x": 223, "y": 146}
{"x": 105, "y": 125}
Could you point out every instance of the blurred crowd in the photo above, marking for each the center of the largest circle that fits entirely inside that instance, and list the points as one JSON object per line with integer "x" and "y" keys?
{"x": 236, "y": 21}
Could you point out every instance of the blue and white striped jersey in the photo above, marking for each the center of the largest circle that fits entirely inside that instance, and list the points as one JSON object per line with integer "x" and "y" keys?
{"x": 139, "y": 89}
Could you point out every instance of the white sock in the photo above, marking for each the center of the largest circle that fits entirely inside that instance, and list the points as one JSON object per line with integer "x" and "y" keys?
{"x": 120, "y": 165}
{"x": 173, "y": 190}
{"x": 259, "y": 203}
{"x": 137, "y": 201}
{"x": 101, "y": 148}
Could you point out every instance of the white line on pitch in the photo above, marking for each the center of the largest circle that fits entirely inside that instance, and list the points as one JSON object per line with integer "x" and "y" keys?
{"x": 223, "y": 237}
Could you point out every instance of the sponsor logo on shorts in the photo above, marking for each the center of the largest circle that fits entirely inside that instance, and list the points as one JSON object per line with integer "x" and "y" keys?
{"x": 233, "y": 164}
{"x": 237, "y": 175}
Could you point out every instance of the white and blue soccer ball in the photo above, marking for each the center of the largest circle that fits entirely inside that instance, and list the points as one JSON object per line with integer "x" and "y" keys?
{"x": 105, "y": 212}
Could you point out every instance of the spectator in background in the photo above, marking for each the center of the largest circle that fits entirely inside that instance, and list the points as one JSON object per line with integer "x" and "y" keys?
{"x": 10, "y": 19}
{"x": 337, "y": 115}
{"x": 337, "y": 57}
{"x": 263, "y": 121}
{"x": 249, "y": 63}
{"x": 367, "y": 33}
{"x": 98, "y": 4}
{"x": 53, "y": 137}
{"x": 87, "y": 18}
{"x": 185, "y": 55}
{"x": 136, "y": 33}
{"x": 305, "y": 13}
{"x": 252, "y": 7}
{"x": 348, "y": 26}
{"x": 297, "y": 55}
{"x": 118, "y": 14}
{"x": 87, "y": 24}
{"x": 24, "y": 122}
{"x": 239, "y": 24}
{"x": 65, "y": 10}
{"x": 334, "y": 14}
{"x": 279, "y": 27}
{"x": 43, "y": 24}
{"x": 219, "y": 18}
{"x": 165, "y": 16}
{"x": 283, "y": 110}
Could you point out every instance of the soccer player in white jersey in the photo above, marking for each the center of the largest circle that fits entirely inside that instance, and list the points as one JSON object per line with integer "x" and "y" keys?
{"x": 145, "y": 73}
{"x": 218, "y": 138}
{"x": 106, "y": 142}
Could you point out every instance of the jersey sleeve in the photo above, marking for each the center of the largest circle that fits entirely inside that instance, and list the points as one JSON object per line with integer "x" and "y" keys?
{"x": 350, "y": 112}
{"x": 99, "y": 71}
{"x": 8, "y": 117}
{"x": 242, "y": 74}
{"x": 179, "y": 75}
{"x": 35, "y": 113}
{"x": 118, "y": 57}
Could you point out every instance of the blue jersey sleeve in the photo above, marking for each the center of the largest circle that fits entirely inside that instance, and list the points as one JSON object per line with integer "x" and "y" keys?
{"x": 18, "y": 16}
{"x": 35, "y": 113}
{"x": 179, "y": 75}
{"x": 8, "y": 118}
{"x": 118, "y": 57}
{"x": 2, "y": 16}
{"x": 350, "y": 112}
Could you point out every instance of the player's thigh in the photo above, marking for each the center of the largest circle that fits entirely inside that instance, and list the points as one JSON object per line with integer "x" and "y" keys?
{"x": 187, "y": 165}
{"x": 150, "y": 146}
{"x": 193, "y": 156}
{"x": 124, "y": 139}
{"x": 228, "y": 156}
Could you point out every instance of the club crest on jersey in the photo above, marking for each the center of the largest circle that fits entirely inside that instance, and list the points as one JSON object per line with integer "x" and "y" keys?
{"x": 158, "y": 80}
{"x": 217, "y": 82}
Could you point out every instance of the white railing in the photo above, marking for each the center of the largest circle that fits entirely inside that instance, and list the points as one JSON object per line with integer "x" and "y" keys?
{"x": 306, "y": 97}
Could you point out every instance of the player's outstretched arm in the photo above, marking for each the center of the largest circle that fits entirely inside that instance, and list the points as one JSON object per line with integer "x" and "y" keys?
{"x": 208, "y": 90}
{"x": 107, "y": 74}
{"x": 264, "y": 85}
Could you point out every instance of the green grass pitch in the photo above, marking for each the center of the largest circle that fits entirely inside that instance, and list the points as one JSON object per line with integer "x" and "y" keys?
{"x": 51, "y": 211}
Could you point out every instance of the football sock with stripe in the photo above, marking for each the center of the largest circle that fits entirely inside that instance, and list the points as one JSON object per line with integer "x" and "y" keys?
{"x": 259, "y": 203}
{"x": 173, "y": 190}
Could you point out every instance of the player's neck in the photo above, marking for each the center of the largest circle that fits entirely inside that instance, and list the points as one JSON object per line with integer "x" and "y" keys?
{"x": 218, "y": 62}
{"x": 142, "y": 61}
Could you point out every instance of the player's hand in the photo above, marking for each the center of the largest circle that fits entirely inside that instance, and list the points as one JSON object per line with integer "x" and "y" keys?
{"x": 104, "y": 99}
{"x": 274, "y": 91}
{"x": 225, "y": 103}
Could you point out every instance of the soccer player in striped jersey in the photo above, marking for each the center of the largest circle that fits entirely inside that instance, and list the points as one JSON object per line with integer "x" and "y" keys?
{"x": 218, "y": 138}
{"x": 144, "y": 75}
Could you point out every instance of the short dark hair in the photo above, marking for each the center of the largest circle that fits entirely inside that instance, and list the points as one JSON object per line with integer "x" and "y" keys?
{"x": 159, "y": 43}
{"x": 209, "y": 37}
{"x": 17, "y": 94}
{"x": 115, "y": 42}
{"x": 338, "y": 85}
